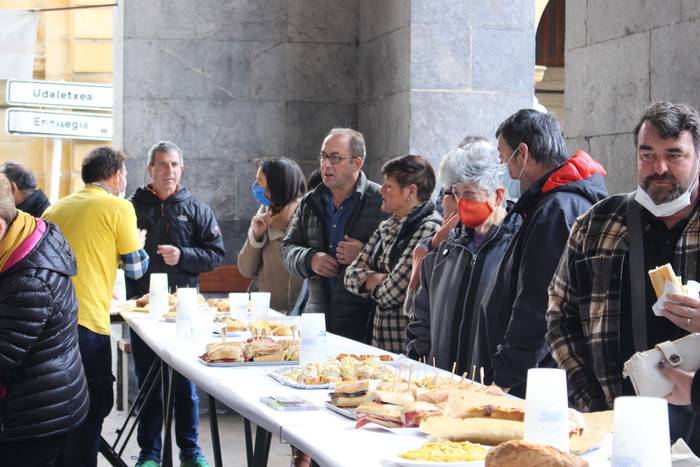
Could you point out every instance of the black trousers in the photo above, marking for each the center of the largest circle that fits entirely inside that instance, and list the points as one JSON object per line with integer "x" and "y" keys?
{"x": 42, "y": 452}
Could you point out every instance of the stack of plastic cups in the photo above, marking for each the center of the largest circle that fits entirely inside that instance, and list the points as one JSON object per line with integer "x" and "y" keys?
{"x": 186, "y": 307}
{"x": 158, "y": 295}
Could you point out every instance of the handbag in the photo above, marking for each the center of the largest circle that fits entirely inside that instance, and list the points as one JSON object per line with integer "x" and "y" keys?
{"x": 642, "y": 369}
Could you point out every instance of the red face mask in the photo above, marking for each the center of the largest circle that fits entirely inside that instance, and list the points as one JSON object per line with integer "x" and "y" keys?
{"x": 473, "y": 213}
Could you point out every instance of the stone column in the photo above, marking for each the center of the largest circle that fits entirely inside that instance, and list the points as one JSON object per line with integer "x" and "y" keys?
{"x": 432, "y": 72}
{"x": 621, "y": 56}
{"x": 232, "y": 82}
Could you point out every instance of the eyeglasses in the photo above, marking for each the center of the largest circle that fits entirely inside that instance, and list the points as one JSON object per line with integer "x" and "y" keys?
{"x": 465, "y": 191}
{"x": 333, "y": 158}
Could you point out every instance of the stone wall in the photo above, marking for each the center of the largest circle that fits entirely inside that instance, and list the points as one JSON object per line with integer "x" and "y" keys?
{"x": 231, "y": 82}
{"x": 621, "y": 56}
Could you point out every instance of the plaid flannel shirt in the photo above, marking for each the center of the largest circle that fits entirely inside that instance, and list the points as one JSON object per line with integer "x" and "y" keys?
{"x": 389, "y": 325}
{"x": 135, "y": 264}
{"x": 583, "y": 318}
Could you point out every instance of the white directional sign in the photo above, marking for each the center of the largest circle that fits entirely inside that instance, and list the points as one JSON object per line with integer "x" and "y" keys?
{"x": 60, "y": 94}
{"x": 58, "y": 124}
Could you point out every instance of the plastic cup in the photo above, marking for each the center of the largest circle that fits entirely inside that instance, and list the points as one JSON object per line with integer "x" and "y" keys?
{"x": 158, "y": 295}
{"x": 261, "y": 304}
{"x": 238, "y": 304}
{"x": 641, "y": 434}
{"x": 120, "y": 286}
{"x": 186, "y": 308}
{"x": 546, "y": 408}
{"x": 314, "y": 347}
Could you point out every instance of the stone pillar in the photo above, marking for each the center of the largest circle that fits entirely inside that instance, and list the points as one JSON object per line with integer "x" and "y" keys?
{"x": 231, "y": 82}
{"x": 432, "y": 72}
{"x": 621, "y": 56}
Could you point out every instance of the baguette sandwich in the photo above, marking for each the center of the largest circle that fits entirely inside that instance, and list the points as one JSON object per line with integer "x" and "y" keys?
{"x": 662, "y": 274}
{"x": 415, "y": 412}
{"x": 382, "y": 414}
{"x": 219, "y": 352}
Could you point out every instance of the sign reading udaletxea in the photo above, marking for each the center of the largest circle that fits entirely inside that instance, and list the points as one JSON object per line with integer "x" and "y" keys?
{"x": 59, "y": 94}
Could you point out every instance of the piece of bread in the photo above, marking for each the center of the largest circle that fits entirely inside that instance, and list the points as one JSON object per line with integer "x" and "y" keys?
{"x": 393, "y": 397}
{"x": 489, "y": 431}
{"x": 660, "y": 275}
{"x": 521, "y": 453}
{"x": 342, "y": 400}
{"x": 224, "y": 351}
{"x": 350, "y": 387}
{"x": 272, "y": 357}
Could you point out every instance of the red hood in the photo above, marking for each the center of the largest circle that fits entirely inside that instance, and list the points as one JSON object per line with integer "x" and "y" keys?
{"x": 580, "y": 166}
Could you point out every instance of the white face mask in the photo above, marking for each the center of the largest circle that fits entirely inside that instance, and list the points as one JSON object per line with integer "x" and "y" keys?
{"x": 668, "y": 208}
{"x": 514, "y": 189}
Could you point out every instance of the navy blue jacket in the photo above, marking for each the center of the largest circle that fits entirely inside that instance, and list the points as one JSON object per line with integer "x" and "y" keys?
{"x": 182, "y": 221}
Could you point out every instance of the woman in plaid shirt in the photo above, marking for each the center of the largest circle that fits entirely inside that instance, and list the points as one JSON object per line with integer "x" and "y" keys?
{"x": 382, "y": 270}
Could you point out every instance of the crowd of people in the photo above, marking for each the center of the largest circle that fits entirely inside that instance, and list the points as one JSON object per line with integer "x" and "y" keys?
{"x": 555, "y": 277}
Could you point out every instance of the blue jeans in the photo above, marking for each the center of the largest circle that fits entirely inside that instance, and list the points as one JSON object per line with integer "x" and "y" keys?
{"x": 82, "y": 445}
{"x": 151, "y": 423}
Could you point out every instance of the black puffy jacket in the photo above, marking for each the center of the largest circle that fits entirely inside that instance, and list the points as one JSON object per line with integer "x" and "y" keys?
{"x": 182, "y": 221}
{"x": 40, "y": 364}
{"x": 445, "y": 324}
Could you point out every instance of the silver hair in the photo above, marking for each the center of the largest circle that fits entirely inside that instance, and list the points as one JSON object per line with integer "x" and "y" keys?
{"x": 357, "y": 140}
{"x": 476, "y": 163}
{"x": 163, "y": 146}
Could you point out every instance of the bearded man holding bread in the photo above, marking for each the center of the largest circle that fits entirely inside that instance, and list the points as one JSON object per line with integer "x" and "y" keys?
{"x": 601, "y": 297}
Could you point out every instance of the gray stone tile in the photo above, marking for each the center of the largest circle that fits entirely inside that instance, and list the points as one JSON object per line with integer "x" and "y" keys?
{"x": 220, "y": 128}
{"x": 234, "y": 233}
{"x": 502, "y": 60}
{"x": 674, "y": 63}
{"x": 576, "y": 24}
{"x": 323, "y": 21}
{"x": 246, "y": 206}
{"x": 617, "y": 154}
{"x": 386, "y": 125}
{"x": 384, "y": 65}
{"x": 440, "y": 120}
{"x": 307, "y": 123}
{"x": 321, "y": 72}
{"x": 210, "y": 180}
{"x": 141, "y": 120}
{"x": 440, "y": 56}
{"x": 478, "y": 13}
{"x": 141, "y": 70}
{"x": 606, "y": 85}
{"x": 246, "y": 20}
{"x": 691, "y": 9}
{"x": 267, "y": 73}
{"x": 607, "y": 20}
{"x": 379, "y": 17}
{"x": 203, "y": 69}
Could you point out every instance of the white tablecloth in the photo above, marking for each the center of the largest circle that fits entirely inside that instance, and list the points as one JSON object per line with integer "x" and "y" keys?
{"x": 329, "y": 438}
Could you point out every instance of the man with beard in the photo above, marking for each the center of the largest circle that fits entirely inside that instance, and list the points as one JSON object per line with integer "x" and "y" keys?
{"x": 601, "y": 297}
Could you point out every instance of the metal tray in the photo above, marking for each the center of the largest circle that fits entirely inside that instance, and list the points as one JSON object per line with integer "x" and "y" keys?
{"x": 347, "y": 412}
{"x": 288, "y": 382}
{"x": 234, "y": 364}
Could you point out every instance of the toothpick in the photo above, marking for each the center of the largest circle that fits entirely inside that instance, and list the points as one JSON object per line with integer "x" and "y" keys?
{"x": 454, "y": 367}
{"x": 464, "y": 375}
{"x": 410, "y": 376}
{"x": 473, "y": 373}
{"x": 481, "y": 375}
{"x": 434, "y": 371}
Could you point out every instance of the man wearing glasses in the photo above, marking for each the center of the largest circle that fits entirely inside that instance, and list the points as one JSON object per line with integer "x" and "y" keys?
{"x": 329, "y": 228}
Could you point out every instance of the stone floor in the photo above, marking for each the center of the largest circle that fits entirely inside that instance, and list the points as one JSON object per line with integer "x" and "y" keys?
{"x": 230, "y": 432}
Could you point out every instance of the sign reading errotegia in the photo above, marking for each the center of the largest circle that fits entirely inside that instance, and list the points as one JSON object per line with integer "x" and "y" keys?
{"x": 59, "y": 124}
{"x": 60, "y": 94}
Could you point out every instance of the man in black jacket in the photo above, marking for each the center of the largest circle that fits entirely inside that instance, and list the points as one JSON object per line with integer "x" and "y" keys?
{"x": 183, "y": 239}
{"x": 43, "y": 392}
{"x": 329, "y": 228}
{"x": 27, "y": 196}
{"x": 554, "y": 192}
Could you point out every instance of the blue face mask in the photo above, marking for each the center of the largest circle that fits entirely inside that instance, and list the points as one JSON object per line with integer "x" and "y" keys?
{"x": 259, "y": 193}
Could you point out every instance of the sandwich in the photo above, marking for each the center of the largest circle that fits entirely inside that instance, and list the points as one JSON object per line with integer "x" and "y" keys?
{"x": 489, "y": 431}
{"x": 350, "y": 393}
{"x": 392, "y": 397}
{"x": 382, "y": 414}
{"x": 263, "y": 350}
{"x": 219, "y": 352}
{"x": 662, "y": 274}
{"x": 415, "y": 412}
{"x": 234, "y": 325}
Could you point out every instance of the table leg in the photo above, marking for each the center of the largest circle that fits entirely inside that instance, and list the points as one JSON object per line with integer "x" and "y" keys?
{"x": 120, "y": 378}
{"x": 262, "y": 447}
{"x": 214, "y": 427}
{"x": 168, "y": 380}
{"x": 248, "y": 441}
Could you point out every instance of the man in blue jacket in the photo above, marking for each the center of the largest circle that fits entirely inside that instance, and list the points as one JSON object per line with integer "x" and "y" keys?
{"x": 183, "y": 240}
{"x": 555, "y": 190}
